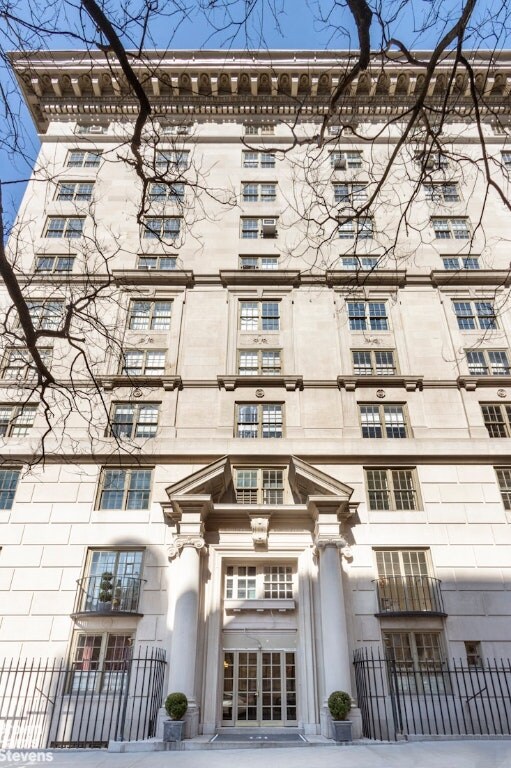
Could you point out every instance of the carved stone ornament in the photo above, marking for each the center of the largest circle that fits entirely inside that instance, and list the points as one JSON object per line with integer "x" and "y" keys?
{"x": 259, "y": 526}
{"x": 181, "y": 541}
{"x": 380, "y": 393}
{"x": 259, "y": 393}
{"x": 335, "y": 541}
{"x": 501, "y": 393}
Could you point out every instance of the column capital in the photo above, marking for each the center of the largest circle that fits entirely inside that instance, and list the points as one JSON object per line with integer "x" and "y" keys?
{"x": 182, "y": 540}
{"x": 324, "y": 540}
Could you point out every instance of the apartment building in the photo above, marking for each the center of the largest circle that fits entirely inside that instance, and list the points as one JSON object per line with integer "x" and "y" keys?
{"x": 299, "y": 438}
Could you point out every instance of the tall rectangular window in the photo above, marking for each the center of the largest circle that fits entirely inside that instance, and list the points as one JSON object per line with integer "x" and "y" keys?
{"x": 259, "y": 362}
{"x": 259, "y": 420}
{"x": 360, "y": 229}
{"x": 9, "y": 479}
{"x": 497, "y": 419}
{"x": 66, "y": 227}
{"x": 46, "y": 315}
{"x": 254, "y": 192}
{"x": 54, "y": 264}
{"x": 18, "y": 363}
{"x": 451, "y": 228}
{"x": 367, "y": 315}
{"x": 150, "y": 315}
{"x": 258, "y": 159}
{"x": 349, "y": 193}
{"x": 172, "y": 160}
{"x": 75, "y": 191}
{"x": 138, "y": 362}
{"x": 504, "y": 480}
{"x": 487, "y": 362}
{"x": 374, "y": 362}
{"x": 259, "y": 486}
{"x": 125, "y": 488}
{"x": 161, "y": 228}
{"x": 378, "y": 421}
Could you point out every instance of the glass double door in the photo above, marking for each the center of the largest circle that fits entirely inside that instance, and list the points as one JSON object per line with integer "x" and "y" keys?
{"x": 259, "y": 688}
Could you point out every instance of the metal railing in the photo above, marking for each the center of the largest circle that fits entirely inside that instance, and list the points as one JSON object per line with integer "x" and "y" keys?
{"x": 397, "y": 700}
{"x": 408, "y": 595}
{"x": 122, "y": 595}
{"x": 47, "y": 703}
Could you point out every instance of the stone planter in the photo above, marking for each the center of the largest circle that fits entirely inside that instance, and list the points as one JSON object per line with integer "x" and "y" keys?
{"x": 173, "y": 730}
{"x": 342, "y": 730}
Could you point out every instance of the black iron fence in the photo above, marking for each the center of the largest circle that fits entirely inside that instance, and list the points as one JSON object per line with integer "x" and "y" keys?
{"x": 51, "y": 704}
{"x": 397, "y": 699}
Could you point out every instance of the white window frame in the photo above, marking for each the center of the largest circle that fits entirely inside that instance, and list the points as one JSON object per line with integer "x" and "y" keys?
{"x": 262, "y": 366}
{"x": 157, "y": 261}
{"x": 376, "y": 368}
{"x": 254, "y": 581}
{"x": 392, "y": 490}
{"x": 468, "y": 263}
{"x": 356, "y": 193}
{"x": 266, "y": 263}
{"x": 371, "y": 320}
{"x": 351, "y": 159}
{"x": 161, "y": 192}
{"x": 9, "y": 481}
{"x": 69, "y": 229}
{"x": 485, "y": 366}
{"x": 383, "y": 422}
{"x": 359, "y": 263}
{"x": 27, "y": 370}
{"x": 361, "y": 228}
{"x": 74, "y": 191}
{"x": 145, "y": 358}
{"x": 161, "y": 228}
{"x": 441, "y": 192}
{"x": 143, "y": 424}
{"x": 83, "y": 158}
{"x": 172, "y": 160}
{"x": 16, "y": 420}
{"x": 504, "y": 482}
{"x": 251, "y": 159}
{"x": 129, "y": 490}
{"x": 473, "y": 316}
{"x": 265, "y": 486}
{"x": 264, "y": 192}
{"x": 56, "y": 261}
{"x": 46, "y": 314}
{"x": 254, "y": 317}
{"x": 276, "y": 422}
{"x": 451, "y": 227}
{"x": 94, "y": 677}
{"x": 502, "y": 422}
{"x": 144, "y": 314}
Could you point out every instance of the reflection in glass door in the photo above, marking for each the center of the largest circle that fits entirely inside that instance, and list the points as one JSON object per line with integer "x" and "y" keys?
{"x": 259, "y": 688}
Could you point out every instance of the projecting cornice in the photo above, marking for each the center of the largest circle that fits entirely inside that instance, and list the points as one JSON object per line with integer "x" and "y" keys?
{"x": 280, "y": 83}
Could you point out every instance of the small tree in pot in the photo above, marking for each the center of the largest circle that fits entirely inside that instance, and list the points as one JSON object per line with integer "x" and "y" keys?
{"x": 339, "y": 704}
{"x": 105, "y": 591}
{"x": 176, "y": 705}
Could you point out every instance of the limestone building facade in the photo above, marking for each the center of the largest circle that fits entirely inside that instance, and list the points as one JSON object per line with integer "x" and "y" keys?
{"x": 304, "y": 444}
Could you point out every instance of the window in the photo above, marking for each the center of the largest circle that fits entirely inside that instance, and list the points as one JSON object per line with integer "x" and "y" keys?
{"x": 343, "y": 160}
{"x": 460, "y": 262}
{"x": 171, "y": 160}
{"x": 383, "y": 421}
{"x": 138, "y": 362}
{"x": 451, "y": 229}
{"x": 80, "y": 158}
{"x": 497, "y": 419}
{"x": 46, "y": 315}
{"x": 157, "y": 262}
{"x": 91, "y": 129}
{"x": 391, "y": 489}
{"x": 401, "y": 562}
{"x": 415, "y": 652}
{"x": 162, "y": 192}
{"x": 176, "y": 130}
{"x": 350, "y": 194}
{"x": 360, "y": 229}
{"x": 161, "y": 228}
{"x": 259, "y": 262}
{"x": 374, "y": 362}
{"x": 259, "y": 362}
{"x": 259, "y": 193}
{"x": 125, "y": 488}
{"x": 506, "y": 159}
{"x": 475, "y": 314}
{"x": 150, "y": 315}
{"x": 8, "y": 483}
{"x": 112, "y": 581}
{"x": 251, "y": 582}
{"x": 74, "y": 190}
{"x": 99, "y": 663}
{"x": 259, "y": 130}
{"x": 68, "y": 227}
{"x": 134, "y": 420}
{"x": 258, "y": 420}
{"x": 258, "y": 160}
{"x": 259, "y": 486}
{"x": 259, "y": 315}
{"x": 54, "y": 264}
{"x": 404, "y": 583}
{"x": 251, "y": 229}
{"x": 484, "y": 362}
{"x": 441, "y": 193}
{"x": 432, "y": 161}
{"x": 473, "y": 652}
{"x": 18, "y": 363}
{"x": 359, "y": 262}
{"x": 367, "y": 315}
{"x": 16, "y": 420}
{"x": 504, "y": 480}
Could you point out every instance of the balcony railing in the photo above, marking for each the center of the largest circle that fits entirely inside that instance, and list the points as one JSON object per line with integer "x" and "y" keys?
{"x": 120, "y": 596}
{"x": 399, "y": 595}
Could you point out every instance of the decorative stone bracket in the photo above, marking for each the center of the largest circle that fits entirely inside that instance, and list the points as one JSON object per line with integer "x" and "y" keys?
{"x": 260, "y": 525}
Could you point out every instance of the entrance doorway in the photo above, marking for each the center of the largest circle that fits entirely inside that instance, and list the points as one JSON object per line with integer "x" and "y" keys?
{"x": 259, "y": 688}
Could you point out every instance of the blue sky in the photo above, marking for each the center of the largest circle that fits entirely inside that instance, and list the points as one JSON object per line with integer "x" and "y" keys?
{"x": 288, "y": 24}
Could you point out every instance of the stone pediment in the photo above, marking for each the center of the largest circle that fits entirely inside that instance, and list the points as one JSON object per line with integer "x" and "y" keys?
{"x": 211, "y": 480}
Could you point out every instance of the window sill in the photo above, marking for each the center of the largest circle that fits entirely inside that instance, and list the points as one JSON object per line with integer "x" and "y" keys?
{"x": 266, "y": 604}
{"x": 168, "y": 383}
{"x": 351, "y": 383}
{"x": 230, "y": 383}
{"x": 471, "y": 277}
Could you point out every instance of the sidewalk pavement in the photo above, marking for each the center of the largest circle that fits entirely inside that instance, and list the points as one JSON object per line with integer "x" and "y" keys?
{"x": 464, "y": 753}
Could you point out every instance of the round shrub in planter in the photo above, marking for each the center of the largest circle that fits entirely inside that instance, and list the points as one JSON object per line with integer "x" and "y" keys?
{"x": 339, "y": 704}
{"x": 176, "y": 705}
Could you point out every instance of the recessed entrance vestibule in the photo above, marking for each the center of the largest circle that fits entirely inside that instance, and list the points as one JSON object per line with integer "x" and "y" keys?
{"x": 259, "y": 688}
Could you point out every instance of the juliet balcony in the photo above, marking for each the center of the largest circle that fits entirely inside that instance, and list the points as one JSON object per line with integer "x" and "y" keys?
{"x": 108, "y": 595}
{"x": 409, "y": 596}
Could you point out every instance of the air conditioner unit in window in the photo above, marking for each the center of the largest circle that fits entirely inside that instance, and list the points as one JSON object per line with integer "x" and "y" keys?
{"x": 269, "y": 227}
{"x": 340, "y": 163}
{"x": 249, "y": 266}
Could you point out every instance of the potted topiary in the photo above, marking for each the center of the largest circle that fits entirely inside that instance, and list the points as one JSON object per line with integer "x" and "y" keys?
{"x": 176, "y": 705}
{"x": 339, "y": 704}
{"x": 105, "y": 592}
